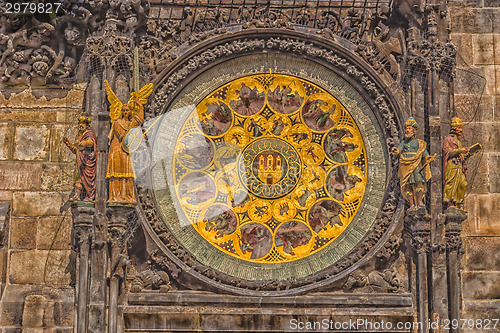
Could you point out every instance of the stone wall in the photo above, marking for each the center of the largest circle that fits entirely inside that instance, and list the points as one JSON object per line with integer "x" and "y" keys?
{"x": 36, "y": 172}
{"x": 36, "y": 176}
{"x": 475, "y": 26}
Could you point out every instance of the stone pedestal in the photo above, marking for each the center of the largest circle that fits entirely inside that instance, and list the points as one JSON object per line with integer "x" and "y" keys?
{"x": 195, "y": 311}
{"x": 453, "y": 224}
{"x": 417, "y": 226}
{"x": 117, "y": 226}
{"x": 83, "y": 218}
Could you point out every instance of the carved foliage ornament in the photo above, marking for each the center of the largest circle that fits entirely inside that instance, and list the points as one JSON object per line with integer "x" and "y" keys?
{"x": 41, "y": 48}
{"x": 368, "y": 29}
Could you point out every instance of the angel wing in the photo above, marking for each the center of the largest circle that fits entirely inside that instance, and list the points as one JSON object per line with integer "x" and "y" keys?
{"x": 142, "y": 94}
{"x": 115, "y": 109}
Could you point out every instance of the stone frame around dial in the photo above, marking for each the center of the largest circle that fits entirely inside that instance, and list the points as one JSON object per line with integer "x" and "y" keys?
{"x": 349, "y": 79}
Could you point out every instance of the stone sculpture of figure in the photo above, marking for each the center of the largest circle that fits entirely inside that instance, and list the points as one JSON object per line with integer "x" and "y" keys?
{"x": 414, "y": 172}
{"x": 454, "y": 168}
{"x": 120, "y": 170}
{"x": 85, "y": 149}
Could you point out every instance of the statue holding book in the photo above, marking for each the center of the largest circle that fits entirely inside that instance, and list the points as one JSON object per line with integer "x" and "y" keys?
{"x": 454, "y": 167}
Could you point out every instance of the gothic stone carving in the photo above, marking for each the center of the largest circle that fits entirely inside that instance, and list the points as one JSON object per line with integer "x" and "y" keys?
{"x": 150, "y": 280}
{"x": 387, "y": 281}
{"x": 44, "y": 50}
{"x": 382, "y": 275}
{"x": 378, "y": 41}
{"x": 417, "y": 231}
{"x": 453, "y": 223}
{"x": 82, "y": 222}
{"x": 425, "y": 51}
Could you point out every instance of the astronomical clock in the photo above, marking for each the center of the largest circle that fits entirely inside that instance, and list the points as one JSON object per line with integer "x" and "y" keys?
{"x": 267, "y": 179}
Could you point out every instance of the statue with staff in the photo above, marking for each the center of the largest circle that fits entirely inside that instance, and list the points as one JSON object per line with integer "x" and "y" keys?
{"x": 414, "y": 166}
{"x": 85, "y": 149}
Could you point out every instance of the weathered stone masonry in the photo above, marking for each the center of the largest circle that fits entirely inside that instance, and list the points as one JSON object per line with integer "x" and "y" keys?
{"x": 37, "y": 261}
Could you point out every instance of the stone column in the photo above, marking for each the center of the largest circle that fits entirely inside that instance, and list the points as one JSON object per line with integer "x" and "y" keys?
{"x": 439, "y": 55}
{"x": 453, "y": 222}
{"x": 4, "y": 231}
{"x": 117, "y": 227}
{"x": 417, "y": 225}
{"x": 435, "y": 110}
{"x": 97, "y": 307}
{"x": 83, "y": 218}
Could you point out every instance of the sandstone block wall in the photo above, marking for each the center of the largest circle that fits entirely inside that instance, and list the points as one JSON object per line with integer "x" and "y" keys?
{"x": 36, "y": 176}
{"x": 475, "y": 26}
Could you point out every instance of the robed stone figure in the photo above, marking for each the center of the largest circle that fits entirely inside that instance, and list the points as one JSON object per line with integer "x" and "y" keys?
{"x": 414, "y": 171}
{"x": 85, "y": 148}
{"x": 454, "y": 167}
{"x": 120, "y": 170}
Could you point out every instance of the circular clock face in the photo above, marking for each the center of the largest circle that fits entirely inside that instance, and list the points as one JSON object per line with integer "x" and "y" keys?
{"x": 269, "y": 168}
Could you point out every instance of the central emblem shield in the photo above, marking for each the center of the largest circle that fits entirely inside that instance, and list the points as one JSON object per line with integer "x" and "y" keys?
{"x": 272, "y": 168}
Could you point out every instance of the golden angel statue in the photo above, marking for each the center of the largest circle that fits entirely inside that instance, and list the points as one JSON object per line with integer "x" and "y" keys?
{"x": 120, "y": 171}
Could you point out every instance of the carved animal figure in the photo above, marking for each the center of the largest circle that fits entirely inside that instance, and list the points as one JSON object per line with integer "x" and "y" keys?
{"x": 387, "y": 47}
{"x": 150, "y": 280}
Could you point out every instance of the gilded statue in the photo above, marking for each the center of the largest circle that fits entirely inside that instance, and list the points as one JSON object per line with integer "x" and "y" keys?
{"x": 120, "y": 170}
{"x": 85, "y": 149}
{"x": 414, "y": 168}
{"x": 454, "y": 167}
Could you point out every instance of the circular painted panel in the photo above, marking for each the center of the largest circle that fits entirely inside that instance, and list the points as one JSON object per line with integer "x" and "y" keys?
{"x": 269, "y": 169}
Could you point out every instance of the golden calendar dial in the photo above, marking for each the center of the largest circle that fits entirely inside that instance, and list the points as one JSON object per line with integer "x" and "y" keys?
{"x": 273, "y": 171}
